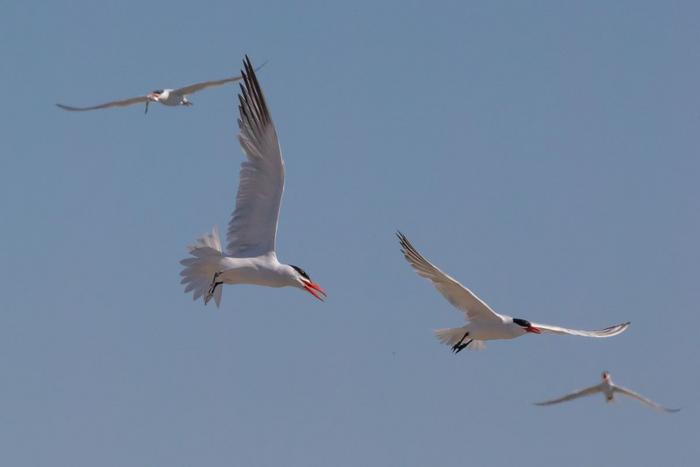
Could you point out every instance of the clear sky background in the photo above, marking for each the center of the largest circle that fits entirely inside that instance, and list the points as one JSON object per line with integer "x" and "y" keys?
{"x": 546, "y": 154}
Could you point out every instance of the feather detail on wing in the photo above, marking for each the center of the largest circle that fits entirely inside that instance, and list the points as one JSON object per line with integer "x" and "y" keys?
{"x": 455, "y": 293}
{"x": 607, "y": 332}
{"x": 253, "y": 226}
{"x": 642, "y": 399}
{"x": 192, "y": 88}
{"x": 574, "y": 395}
{"x": 119, "y": 103}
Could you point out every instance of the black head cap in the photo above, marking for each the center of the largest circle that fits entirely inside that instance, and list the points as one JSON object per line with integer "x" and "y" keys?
{"x": 301, "y": 272}
{"x": 522, "y": 322}
{"x": 158, "y": 91}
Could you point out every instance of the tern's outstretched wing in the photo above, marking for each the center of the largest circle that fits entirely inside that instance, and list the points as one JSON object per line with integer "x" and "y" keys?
{"x": 607, "y": 332}
{"x": 574, "y": 395}
{"x": 642, "y": 399}
{"x": 192, "y": 88}
{"x": 253, "y": 227}
{"x": 455, "y": 293}
{"x": 120, "y": 103}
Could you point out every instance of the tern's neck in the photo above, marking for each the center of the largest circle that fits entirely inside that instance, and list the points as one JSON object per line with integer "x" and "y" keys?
{"x": 289, "y": 274}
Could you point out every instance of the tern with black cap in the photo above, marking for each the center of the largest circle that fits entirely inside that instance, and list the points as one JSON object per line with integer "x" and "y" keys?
{"x": 484, "y": 323}
{"x": 250, "y": 256}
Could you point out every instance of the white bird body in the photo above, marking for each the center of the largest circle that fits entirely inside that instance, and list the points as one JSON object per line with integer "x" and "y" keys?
{"x": 250, "y": 256}
{"x": 263, "y": 270}
{"x": 506, "y": 329}
{"x": 483, "y": 323}
{"x": 608, "y": 389}
{"x": 171, "y": 98}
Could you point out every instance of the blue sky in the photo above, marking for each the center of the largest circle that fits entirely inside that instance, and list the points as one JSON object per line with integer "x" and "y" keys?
{"x": 543, "y": 153}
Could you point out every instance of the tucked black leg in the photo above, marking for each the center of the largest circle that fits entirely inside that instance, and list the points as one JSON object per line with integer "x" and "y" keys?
{"x": 459, "y": 346}
{"x": 212, "y": 287}
{"x": 463, "y": 346}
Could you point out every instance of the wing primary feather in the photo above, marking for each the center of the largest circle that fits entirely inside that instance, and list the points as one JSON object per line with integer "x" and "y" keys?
{"x": 255, "y": 89}
{"x": 247, "y": 114}
{"x": 253, "y": 225}
{"x": 412, "y": 254}
{"x": 256, "y": 106}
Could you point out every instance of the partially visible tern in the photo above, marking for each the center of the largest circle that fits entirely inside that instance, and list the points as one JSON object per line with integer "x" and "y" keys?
{"x": 484, "y": 323}
{"x": 609, "y": 389}
{"x": 170, "y": 97}
{"x": 250, "y": 256}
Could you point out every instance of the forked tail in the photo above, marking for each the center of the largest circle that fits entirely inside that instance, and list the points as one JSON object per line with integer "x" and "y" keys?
{"x": 200, "y": 269}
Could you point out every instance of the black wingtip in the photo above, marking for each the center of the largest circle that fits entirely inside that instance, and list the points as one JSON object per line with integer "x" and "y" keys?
{"x": 403, "y": 241}
{"x": 248, "y": 65}
{"x": 255, "y": 105}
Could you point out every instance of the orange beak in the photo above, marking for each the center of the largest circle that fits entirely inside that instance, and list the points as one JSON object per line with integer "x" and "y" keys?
{"x": 533, "y": 330}
{"x": 314, "y": 289}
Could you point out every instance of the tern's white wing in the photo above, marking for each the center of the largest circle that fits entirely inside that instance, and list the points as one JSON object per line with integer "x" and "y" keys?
{"x": 455, "y": 293}
{"x": 639, "y": 397}
{"x": 253, "y": 227}
{"x": 607, "y": 332}
{"x": 574, "y": 395}
{"x": 192, "y": 88}
{"x": 120, "y": 103}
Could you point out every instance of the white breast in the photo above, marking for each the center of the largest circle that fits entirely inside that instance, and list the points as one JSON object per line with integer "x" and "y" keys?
{"x": 490, "y": 331}
{"x": 261, "y": 270}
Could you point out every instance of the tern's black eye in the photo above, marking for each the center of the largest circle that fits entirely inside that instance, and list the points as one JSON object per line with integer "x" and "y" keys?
{"x": 158, "y": 91}
{"x": 522, "y": 322}
{"x": 301, "y": 272}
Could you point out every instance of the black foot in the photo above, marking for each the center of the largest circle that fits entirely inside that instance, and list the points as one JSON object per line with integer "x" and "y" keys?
{"x": 212, "y": 287}
{"x": 457, "y": 348}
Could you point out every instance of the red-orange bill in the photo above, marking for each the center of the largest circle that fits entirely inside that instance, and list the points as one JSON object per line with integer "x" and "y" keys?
{"x": 314, "y": 289}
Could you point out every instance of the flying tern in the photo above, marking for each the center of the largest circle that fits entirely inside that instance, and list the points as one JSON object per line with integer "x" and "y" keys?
{"x": 483, "y": 323}
{"x": 250, "y": 256}
{"x": 169, "y": 97}
{"x": 609, "y": 389}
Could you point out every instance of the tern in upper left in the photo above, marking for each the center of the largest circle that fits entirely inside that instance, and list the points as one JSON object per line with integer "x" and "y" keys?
{"x": 608, "y": 389}
{"x": 250, "y": 256}
{"x": 169, "y": 97}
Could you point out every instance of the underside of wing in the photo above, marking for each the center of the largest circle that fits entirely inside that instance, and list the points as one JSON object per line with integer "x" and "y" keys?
{"x": 642, "y": 399}
{"x": 120, "y": 103}
{"x": 574, "y": 395}
{"x": 253, "y": 226}
{"x": 607, "y": 332}
{"x": 458, "y": 295}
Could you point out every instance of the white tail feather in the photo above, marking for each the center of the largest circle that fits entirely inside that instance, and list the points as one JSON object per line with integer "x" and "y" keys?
{"x": 199, "y": 269}
{"x": 451, "y": 336}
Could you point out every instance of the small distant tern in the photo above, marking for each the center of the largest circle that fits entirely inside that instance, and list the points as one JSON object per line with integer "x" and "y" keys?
{"x": 609, "y": 389}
